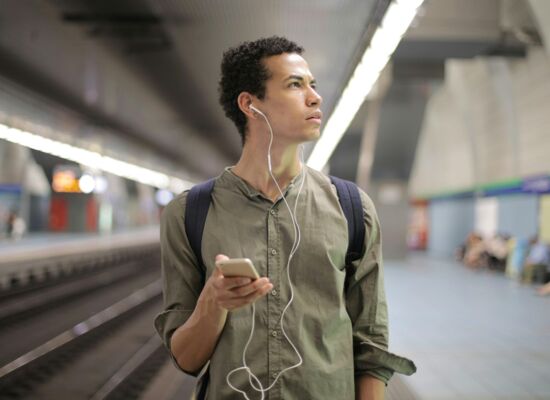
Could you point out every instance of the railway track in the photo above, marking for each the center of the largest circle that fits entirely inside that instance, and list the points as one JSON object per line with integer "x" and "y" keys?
{"x": 87, "y": 335}
{"x": 107, "y": 355}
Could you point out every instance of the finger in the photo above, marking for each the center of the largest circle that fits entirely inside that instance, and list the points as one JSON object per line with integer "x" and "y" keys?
{"x": 225, "y": 286}
{"x": 233, "y": 303}
{"x": 244, "y": 291}
{"x": 221, "y": 257}
{"x": 217, "y": 272}
{"x": 234, "y": 295}
{"x": 217, "y": 279}
{"x": 247, "y": 289}
{"x": 230, "y": 283}
{"x": 265, "y": 289}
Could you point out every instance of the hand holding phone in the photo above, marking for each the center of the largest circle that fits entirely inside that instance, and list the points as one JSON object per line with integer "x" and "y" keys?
{"x": 235, "y": 283}
{"x": 238, "y": 267}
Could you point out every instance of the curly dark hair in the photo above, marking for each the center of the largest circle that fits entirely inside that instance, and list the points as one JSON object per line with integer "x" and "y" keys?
{"x": 242, "y": 70}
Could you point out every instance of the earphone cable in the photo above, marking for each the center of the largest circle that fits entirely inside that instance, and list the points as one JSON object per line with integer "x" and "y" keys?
{"x": 297, "y": 237}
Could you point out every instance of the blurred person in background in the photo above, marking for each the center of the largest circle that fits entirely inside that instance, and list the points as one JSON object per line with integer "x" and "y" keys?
{"x": 475, "y": 251}
{"x": 496, "y": 249}
{"x": 537, "y": 261}
{"x": 544, "y": 290}
{"x": 15, "y": 226}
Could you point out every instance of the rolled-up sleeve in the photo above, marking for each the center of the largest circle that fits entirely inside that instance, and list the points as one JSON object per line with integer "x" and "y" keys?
{"x": 366, "y": 304}
{"x": 181, "y": 275}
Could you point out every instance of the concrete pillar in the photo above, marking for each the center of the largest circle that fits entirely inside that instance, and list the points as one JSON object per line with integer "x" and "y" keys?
{"x": 390, "y": 198}
{"x": 500, "y": 75}
{"x": 368, "y": 143}
{"x": 372, "y": 122}
{"x": 541, "y": 13}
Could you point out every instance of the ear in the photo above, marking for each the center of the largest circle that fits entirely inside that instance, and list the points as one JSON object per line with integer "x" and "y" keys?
{"x": 244, "y": 101}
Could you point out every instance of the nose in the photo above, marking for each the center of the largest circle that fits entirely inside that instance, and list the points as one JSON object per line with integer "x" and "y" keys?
{"x": 314, "y": 98}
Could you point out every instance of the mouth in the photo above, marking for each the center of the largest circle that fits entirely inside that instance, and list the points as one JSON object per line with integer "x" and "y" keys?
{"x": 315, "y": 117}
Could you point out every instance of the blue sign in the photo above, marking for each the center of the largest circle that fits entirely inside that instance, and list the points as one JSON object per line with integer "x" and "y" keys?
{"x": 16, "y": 189}
{"x": 539, "y": 184}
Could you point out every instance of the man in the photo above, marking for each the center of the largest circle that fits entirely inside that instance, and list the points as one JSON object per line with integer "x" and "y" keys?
{"x": 340, "y": 330}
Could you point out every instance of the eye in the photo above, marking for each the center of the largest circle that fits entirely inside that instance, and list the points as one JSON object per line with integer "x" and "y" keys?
{"x": 313, "y": 85}
{"x": 294, "y": 84}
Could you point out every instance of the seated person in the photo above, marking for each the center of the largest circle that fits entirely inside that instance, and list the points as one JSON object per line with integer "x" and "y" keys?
{"x": 474, "y": 255}
{"x": 496, "y": 249}
{"x": 536, "y": 262}
{"x": 544, "y": 290}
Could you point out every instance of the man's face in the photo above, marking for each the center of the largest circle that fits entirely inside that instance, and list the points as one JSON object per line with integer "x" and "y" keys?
{"x": 291, "y": 101}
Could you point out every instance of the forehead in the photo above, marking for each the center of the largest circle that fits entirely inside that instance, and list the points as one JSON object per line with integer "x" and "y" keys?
{"x": 283, "y": 65}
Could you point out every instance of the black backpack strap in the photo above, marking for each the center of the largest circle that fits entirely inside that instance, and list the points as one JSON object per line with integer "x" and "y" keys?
{"x": 350, "y": 201}
{"x": 196, "y": 210}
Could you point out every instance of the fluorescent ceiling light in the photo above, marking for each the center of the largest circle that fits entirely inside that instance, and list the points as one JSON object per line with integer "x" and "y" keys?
{"x": 94, "y": 160}
{"x": 395, "y": 23}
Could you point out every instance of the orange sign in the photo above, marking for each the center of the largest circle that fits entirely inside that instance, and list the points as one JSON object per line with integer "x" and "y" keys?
{"x": 65, "y": 180}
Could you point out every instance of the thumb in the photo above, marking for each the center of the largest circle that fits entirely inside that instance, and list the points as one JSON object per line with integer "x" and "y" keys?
{"x": 220, "y": 257}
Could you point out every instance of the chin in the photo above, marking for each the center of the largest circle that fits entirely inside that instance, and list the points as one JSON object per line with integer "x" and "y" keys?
{"x": 315, "y": 135}
{"x": 310, "y": 135}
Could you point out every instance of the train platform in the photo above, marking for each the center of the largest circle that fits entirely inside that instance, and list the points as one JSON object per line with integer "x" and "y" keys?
{"x": 36, "y": 255}
{"x": 52, "y": 243}
{"x": 472, "y": 334}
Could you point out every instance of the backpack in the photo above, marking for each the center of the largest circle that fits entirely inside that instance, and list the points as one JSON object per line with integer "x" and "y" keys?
{"x": 198, "y": 203}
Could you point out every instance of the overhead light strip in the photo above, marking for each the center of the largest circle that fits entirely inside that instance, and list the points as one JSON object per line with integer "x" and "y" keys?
{"x": 394, "y": 24}
{"x": 94, "y": 159}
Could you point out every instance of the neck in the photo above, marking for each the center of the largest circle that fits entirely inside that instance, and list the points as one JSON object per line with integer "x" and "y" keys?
{"x": 253, "y": 167}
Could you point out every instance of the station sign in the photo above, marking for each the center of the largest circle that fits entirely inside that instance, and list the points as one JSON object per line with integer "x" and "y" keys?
{"x": 533, "y": 185}
{"x": 10, "y": 188}
{"x": 540, "y": 184}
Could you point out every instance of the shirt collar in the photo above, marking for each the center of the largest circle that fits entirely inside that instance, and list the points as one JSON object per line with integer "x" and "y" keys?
{"x": 229, "y": 180}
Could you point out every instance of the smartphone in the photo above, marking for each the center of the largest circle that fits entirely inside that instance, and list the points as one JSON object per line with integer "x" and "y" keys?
{"x": 238, "y": 267}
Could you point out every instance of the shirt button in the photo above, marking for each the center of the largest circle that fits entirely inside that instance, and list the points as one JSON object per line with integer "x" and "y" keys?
{"x": 274, "y": 292}
{"x": 274, "y": 333}
{"x": 274, "y": 375}
{"x": 273, "y": 251}
{"x": 273, "y": 212}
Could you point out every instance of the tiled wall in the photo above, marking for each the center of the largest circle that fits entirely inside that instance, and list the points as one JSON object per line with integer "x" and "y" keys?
{"x": 450, "y": 223}
{"x": 522, "y": 224}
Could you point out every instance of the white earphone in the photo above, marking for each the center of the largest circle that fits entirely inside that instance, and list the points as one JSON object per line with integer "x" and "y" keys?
{"x": 258, "y": 111}
{"x": 252, "y": 378}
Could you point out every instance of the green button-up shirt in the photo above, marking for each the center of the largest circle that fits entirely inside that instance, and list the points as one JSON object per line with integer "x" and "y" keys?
{"x": 339, "y": 333}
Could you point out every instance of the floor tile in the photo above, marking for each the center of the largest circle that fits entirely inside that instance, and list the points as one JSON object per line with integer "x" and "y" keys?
{"x": 472, "y": 334}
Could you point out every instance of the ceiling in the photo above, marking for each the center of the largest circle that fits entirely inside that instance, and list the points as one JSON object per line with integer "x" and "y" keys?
{"x": 141, "y": 76}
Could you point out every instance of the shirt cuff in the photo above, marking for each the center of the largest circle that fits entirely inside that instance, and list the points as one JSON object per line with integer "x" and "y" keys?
{"x": 380, "y": 373}
{"x": 165, "y": 324}
{"x": 371, "y": 359}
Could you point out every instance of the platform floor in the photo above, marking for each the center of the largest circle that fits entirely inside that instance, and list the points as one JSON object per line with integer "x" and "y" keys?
{"x": 472, "y": 334}
{"x": 43, "y": 245}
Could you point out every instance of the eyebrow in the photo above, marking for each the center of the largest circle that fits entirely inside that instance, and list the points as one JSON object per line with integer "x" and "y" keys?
{"x": 299, "y": 78}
